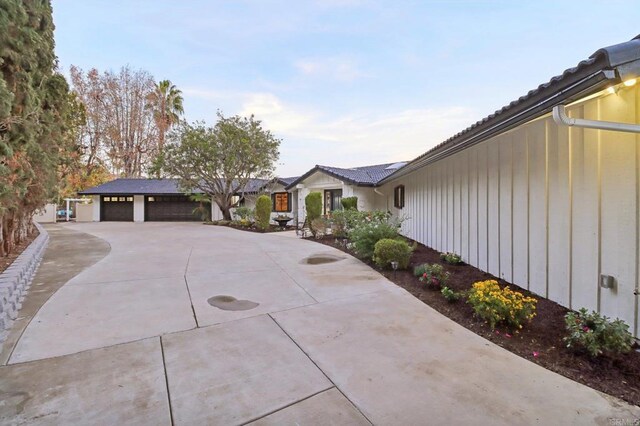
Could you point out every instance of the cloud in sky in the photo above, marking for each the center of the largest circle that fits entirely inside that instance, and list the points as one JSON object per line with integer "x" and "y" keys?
{"x": 343, "y": 82}
{"x": 312, "y": 136}
{"x": 337, "y": 68}
{"x": 317, "y": 137}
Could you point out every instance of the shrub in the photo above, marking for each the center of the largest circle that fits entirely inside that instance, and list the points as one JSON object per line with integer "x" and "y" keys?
{"x": 450, "y": 295}
{"x": 354, "y": 218}
{"x": 451, "y": 258}
{"x": 365, "y": 236}
{"x": 434, "y": 275}
{"x": 338, "y": 224}
{"x": 244, "y": 213}
{"x": 242, "y": 223}
{"x": 419, "y": 270}
{"x": 496, "y": 305}
{"x": 388, "y": 250}
{"x": 319, "y": 227}
{"x": 597, "y": 334}
{"x": 263, "y": 212}
{"x": 350, "y": 203}
{"x": 313, "y": 204}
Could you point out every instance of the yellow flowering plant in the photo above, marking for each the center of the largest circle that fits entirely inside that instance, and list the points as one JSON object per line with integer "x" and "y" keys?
{"x": 501, "y": 305}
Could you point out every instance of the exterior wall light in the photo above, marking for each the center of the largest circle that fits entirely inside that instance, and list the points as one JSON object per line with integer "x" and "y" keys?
{"x": 630, "y": 82}
{"x": 607, "y": 281}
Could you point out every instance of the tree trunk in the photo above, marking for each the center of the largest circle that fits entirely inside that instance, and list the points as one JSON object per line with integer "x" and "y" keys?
{"x": 8, "y": 232}
{"x": 226, "y": 213}
{"x": 2, "y": 252}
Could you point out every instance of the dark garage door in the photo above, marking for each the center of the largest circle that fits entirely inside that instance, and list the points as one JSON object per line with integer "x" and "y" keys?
{"x": 118, "y": 208}
{"x": 168, "y": 208}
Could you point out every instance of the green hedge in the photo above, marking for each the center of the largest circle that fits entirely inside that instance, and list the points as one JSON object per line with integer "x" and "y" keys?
{"x": 350, "y": 203}
{"x": 313, "y": 204}
{"x": 263, "y": 212}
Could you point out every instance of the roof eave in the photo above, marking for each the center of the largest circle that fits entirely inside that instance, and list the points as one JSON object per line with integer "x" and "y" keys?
{"x": 531, "y": 109}
{"x": 610, "y": 65}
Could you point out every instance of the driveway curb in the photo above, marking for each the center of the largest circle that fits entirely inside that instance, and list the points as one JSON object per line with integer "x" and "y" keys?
{"x": 17, "y": 278}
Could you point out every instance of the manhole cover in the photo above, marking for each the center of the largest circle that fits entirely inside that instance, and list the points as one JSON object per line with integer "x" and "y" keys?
{"x": 230, "y": 303}
{"x": 321, "y": 259}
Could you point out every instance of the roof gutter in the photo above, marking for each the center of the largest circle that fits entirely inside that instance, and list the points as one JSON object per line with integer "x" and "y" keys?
{"x": 562, "y": 119}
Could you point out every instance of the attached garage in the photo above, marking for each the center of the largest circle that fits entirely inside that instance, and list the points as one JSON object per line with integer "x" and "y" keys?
{"x": 167, "y": 208}
{"x": 117, "y": 208}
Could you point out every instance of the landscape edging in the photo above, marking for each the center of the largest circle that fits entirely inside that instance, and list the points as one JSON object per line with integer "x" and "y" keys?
{"x": 17, "y": 278}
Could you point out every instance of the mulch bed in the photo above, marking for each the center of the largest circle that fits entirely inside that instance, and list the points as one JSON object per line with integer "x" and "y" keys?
{"x": 6, "y": 261}
{"x": 619, "y": 377}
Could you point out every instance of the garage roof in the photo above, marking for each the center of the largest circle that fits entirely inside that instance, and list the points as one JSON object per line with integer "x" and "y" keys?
{"x": 142, "y": 186}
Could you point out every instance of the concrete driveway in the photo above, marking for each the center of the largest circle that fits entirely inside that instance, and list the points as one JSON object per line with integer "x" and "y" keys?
{"x": 191, "y": 324}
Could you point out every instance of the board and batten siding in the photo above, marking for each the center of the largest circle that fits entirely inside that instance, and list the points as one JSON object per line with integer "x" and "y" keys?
{"x": 547, "y": 207}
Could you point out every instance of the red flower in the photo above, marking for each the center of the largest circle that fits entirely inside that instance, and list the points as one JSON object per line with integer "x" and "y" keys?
{"x": 585, "y": 328}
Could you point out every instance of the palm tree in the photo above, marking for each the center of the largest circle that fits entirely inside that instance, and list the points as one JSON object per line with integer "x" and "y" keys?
{"x": 166, "y": 102}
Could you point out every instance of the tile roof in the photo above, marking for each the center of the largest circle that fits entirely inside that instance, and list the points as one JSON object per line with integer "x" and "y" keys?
{"x": 362, "y": 176}
{"x": 607, "y": 66}
{"x": 287, "y": 180}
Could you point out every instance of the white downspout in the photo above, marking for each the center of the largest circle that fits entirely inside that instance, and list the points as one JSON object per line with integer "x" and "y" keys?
{"x": 561, "y": 118}
{"x": 386, "y": 202}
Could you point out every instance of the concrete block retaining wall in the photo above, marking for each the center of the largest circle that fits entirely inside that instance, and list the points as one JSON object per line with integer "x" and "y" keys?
{"x": 17, "y": 278}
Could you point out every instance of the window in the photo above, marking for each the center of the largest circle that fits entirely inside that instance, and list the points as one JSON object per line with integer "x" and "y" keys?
{"x": 398, "y": 196}
{"x": 129, "y": 198}
{"x": 281, "y": 202}
{"x": 152, "y": 199}
{"x": 107, "y": 198}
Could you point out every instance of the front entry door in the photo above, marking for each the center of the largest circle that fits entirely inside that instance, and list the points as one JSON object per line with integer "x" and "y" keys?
{"x": 332, "y": 199}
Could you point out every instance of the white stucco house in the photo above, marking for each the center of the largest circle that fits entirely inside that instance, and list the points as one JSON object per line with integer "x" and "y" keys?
{"x": 551, "y": 204}
{"x": 335, "y": 183}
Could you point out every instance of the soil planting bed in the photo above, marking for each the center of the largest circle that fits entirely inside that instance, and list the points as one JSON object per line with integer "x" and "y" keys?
{"x": 543, "y": 336}
{"x": 253, "y": 228}
{"x": 6, "y": 261}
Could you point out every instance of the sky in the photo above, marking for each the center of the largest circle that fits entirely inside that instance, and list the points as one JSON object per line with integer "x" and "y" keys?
{"x": 343, "y": 83}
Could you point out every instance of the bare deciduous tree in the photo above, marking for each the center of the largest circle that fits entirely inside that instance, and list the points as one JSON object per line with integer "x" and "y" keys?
{"x": 120, "y": 131}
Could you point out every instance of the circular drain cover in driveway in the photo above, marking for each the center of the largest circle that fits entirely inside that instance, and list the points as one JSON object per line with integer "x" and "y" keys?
{"x": 230, "y": 303}
{"x": 321, "y": 259}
